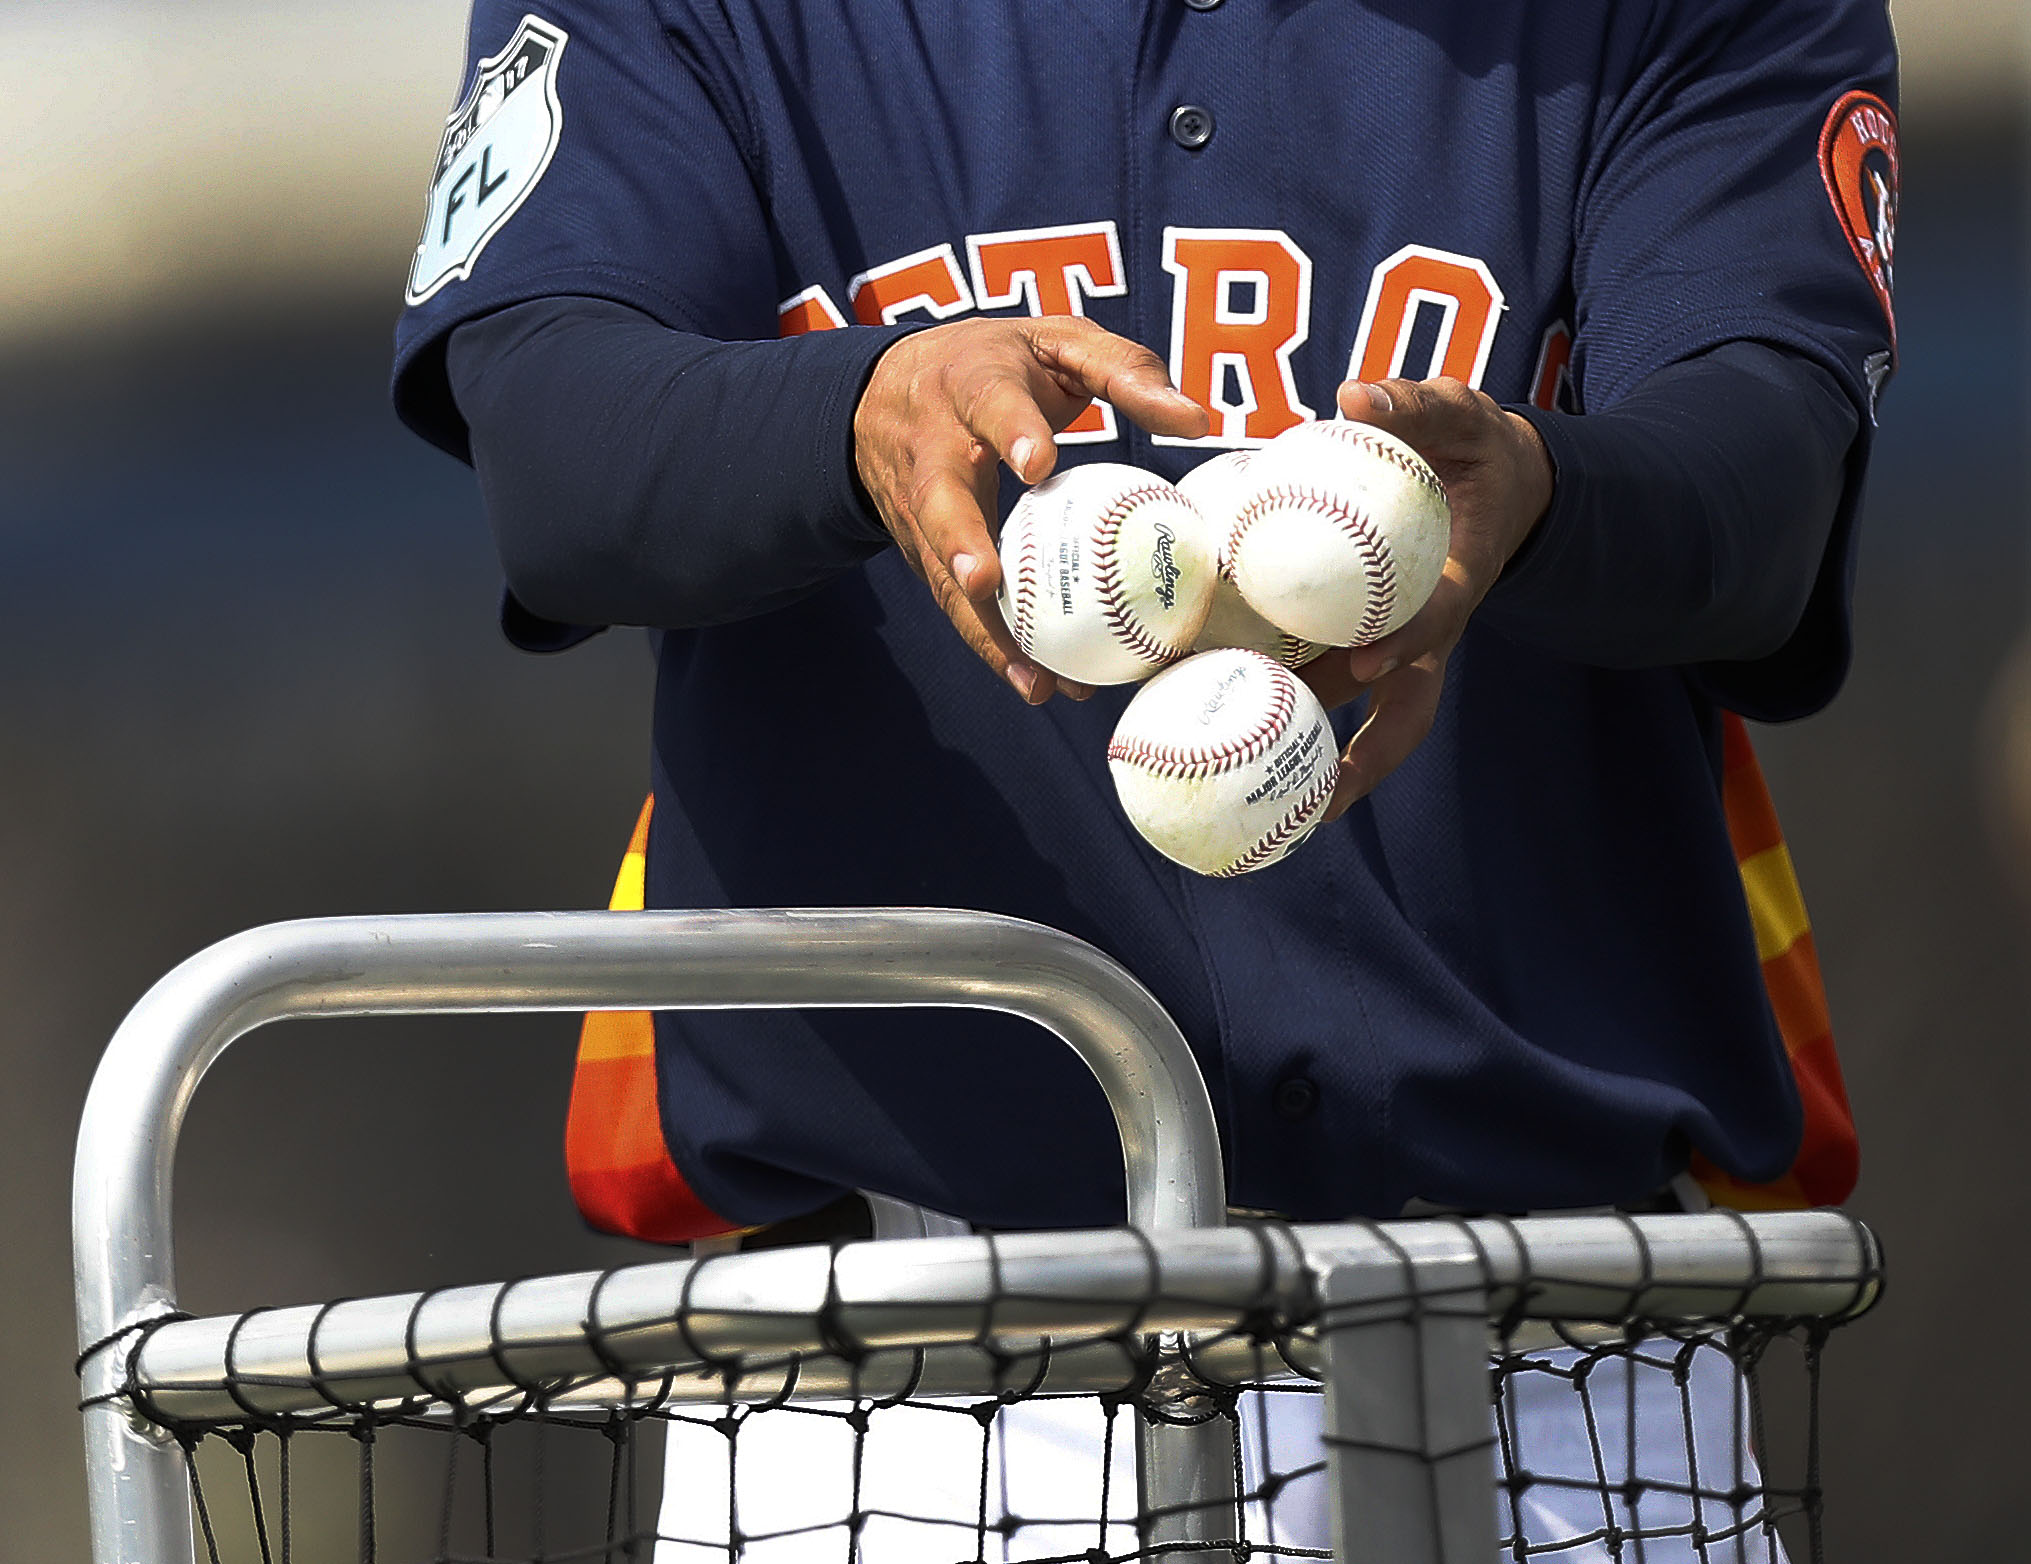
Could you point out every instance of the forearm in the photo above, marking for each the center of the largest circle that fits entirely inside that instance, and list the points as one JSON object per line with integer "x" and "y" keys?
{"x": 1689, "y": 521}
{"x": 637, "y": 475}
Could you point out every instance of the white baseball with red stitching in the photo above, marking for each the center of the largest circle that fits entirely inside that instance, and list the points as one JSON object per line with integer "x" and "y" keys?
{"x": 1225, "y": 762}
{"x": 1219, "y": 488}
{"x": 1343, "y": 534}
{"x": 1106, "y": 573}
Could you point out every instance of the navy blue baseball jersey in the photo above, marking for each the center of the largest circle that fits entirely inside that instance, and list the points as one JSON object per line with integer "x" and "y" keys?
{"x": 1522, "y": 973}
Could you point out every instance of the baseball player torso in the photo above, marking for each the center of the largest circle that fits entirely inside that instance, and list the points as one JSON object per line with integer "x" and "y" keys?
{"x": 1522, "y": 975}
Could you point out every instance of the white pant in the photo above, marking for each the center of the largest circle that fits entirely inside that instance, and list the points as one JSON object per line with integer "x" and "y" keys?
{"x": 793, "y": 1486}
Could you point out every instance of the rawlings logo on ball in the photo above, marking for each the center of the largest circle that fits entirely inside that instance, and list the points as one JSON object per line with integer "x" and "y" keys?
{"x": 1163, "y": 565}
{"x": 1218, "y": 698}
{"x": 1134, "y": 576}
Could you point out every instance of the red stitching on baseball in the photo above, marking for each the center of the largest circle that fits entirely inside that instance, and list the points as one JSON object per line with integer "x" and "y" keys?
{"x": 1382, "y": 590}
{"x": 1107, "y": 577}
{"x": 1410, "y": 464}
{"x": 1025, "y": 593}
{"x": 1275, "y": 840}
{"x": 1192, "y": 763}
{"x": 1294, "y": 649}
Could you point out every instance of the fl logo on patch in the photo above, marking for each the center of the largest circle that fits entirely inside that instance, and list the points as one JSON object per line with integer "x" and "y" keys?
{"x": 496, "y": 145}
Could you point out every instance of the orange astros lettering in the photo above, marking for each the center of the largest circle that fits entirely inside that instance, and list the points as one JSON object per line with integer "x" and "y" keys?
{"x": 811, "y": 310}
{"x": 1470, "y": 310}
{"x": 1053, "y": 271}
{"x": 1551, "y": 388}
{"x": 928, "y": 281}
{"x": 1241, "y": 298}
{"x": 1241, "y": 303}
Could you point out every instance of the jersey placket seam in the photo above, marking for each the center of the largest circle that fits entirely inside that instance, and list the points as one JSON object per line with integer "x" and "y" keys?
{"x": 1134, "y": 443}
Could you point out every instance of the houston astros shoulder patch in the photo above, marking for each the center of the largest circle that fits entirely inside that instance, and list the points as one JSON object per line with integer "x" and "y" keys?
{"x": 1858, "y": 160}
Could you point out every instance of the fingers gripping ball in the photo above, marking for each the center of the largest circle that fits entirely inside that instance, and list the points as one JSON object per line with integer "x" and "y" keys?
{"x": 1106, "y": 573}
{"x": 1225, "y": 762}
{"x": 1219, "y": 488}
{"x": 1343, "y": 534}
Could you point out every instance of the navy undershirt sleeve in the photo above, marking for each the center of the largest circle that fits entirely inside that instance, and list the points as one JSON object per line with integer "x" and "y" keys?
{"x": 642, "y": 476}
{"x": 1693, "y": 521}
{"x": 638, "y": 475}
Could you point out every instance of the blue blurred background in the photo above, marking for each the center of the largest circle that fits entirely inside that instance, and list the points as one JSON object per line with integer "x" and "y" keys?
{"x": 252, "y": 673}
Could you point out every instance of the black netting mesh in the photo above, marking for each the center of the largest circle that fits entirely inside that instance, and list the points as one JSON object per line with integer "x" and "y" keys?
{"x": 1621, "y": 1436}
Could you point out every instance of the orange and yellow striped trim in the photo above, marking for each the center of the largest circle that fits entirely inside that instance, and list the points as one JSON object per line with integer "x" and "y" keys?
{"x": 1829, "y": 1153}
{"x": 614, "y": 1152}
{"x": 625, "y": 1182}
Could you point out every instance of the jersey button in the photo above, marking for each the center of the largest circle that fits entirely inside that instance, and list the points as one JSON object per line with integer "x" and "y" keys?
{"x": 1191, "y": 126}
{"x": 1203, "y": 5}
{"x": 1296, "y": 1097}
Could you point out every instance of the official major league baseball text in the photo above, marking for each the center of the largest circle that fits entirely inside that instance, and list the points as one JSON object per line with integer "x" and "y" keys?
{"x": 1224, "y": 762}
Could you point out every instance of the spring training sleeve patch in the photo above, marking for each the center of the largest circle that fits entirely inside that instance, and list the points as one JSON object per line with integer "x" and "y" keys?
{"x": 615, "y": 165}
{"x": 497, "y": 145}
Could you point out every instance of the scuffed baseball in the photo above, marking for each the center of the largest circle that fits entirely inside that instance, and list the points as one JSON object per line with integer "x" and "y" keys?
{"x": 1219, "y": 488}
{"x": 1106, "y": 573}
{"x": 1343, "y": 534}
{"x": 1224, "y": 762}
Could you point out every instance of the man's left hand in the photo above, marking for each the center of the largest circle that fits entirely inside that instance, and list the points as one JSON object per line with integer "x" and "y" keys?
{"x": 1498, "y": 479}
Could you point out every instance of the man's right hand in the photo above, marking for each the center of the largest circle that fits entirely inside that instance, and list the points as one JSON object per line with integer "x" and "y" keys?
{"x": 944, "y": 405}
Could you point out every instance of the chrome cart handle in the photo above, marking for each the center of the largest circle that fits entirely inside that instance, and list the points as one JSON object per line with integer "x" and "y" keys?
{"x": 494, "y": 962}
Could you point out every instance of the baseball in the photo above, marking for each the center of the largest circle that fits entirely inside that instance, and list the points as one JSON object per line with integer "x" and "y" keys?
{"x": 1225, "y": 762}
{"x": 1219, "y": 488}
{"x": 1106, "y": 573}
{"x": 1343, "y": 533}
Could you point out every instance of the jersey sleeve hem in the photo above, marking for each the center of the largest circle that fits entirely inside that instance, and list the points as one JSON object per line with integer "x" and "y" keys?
{"x": 1748, "y": 326}
{"x": 421, "y": 387}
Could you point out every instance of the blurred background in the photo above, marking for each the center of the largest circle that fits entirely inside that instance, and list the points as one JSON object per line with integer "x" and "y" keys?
{"x": 252, "y": 673}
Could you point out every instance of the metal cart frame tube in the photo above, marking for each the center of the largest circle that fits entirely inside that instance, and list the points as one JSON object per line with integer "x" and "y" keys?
{"x": 123, "y": 1257}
